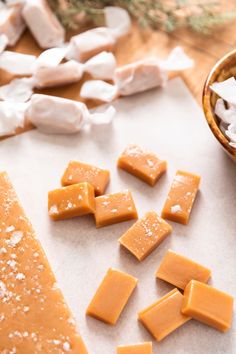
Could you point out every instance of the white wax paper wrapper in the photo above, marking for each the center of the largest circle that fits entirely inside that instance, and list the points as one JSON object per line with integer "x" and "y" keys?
{"x": 11, "y": 117}
{"x": 117, "y": 20}
{"x": 17, "y": 63}
{"x": 227, "y": 91}
{"x": 55, "y": 115}
{"x": 48, "y": 72}
{"x": 18, "y": 90}
{"x": 3, "y": 42}
{"x": 98, "y": 89}
{"x": 43, "y": 24}
{"x": 89, "y": 43}
{"x": 137, "y": 77}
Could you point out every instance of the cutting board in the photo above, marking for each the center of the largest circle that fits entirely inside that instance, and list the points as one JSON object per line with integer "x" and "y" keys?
{"x": 169, "y": 122}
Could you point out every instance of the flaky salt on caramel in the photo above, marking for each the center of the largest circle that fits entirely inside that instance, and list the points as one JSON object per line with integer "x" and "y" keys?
{"x": 34, "y": 317}
{"x": 77, "y": 172}
{"x": 142, "y": 164}
{"x": 145, "y": 235}
{"x": 114, "y": 208}
{"x": 179, "y": 270}
{"x": 68, "y": 202}
{"x": 181, "y": 197}
{"x": 208, "y": 305}
{"x": 139, "y": 348}
{"x": 111, "y": 296}
{"x": 164, "y": 316}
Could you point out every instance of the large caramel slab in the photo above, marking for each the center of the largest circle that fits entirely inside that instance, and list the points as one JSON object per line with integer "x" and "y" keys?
{"x": 34, "y": 317}
{"x": 142, "y": 164}
{"x": 164, "y": 316}
{"x": 114, "y": 208}
{"x": 145, "y": 235}
{"x": 208, "y": 305}
{"x": 140, "y": 348}
{"x": 68, "y": 202}
{"x": 179, "y": 270}
{"x": 77, "y": 172}
{"x": 111, "y": 296}
{"x": 181, "y": 197}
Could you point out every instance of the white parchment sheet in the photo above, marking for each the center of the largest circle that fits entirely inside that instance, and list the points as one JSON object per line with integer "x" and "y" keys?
{"x": 169, "y": 122}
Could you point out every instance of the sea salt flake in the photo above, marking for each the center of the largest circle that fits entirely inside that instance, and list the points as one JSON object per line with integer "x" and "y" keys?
{"x": 26, "y": 308}
{"x": 66, "y": 346}
{"x": 53, "y": 210}
{"x": 176, "y": 208}
{"x": 3, "y": 250}
{"x": 15, "y": 238}
{"x": 20, "y": 276}
{"x": 10, "y": 228}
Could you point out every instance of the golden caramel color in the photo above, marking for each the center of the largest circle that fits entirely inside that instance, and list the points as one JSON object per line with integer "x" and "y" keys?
{"x": 68, "y": 202}
{"x": 142, "y": 164}
{"x": 208, "y": 305}
{"x": 140, "y": 348}
{"x": 111, "y": 296}
{"x": 179, "y": 270}
{"x": 34, "y": 317}
{"x": 164, "y": 316}
{"x": 114, "y": 208}
{"x": 77, "y": 172}
{"x": 181, "y": 197}
{"x": 145, "y": 235}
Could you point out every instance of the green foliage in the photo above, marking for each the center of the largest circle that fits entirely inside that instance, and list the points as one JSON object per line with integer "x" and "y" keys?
{"x": 199, "y": 15}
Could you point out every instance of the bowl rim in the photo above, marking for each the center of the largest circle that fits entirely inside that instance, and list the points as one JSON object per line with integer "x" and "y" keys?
{"x": 206, "y": 101}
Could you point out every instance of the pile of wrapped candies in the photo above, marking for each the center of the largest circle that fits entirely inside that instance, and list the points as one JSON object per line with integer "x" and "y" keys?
{"x": 63, "y": 63}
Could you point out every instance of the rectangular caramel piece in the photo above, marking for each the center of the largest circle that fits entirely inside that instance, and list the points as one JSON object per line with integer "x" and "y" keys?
{"x": 111, "y": 296}
{"x": 164, "y": 316}
{"x": 142, "y": 164}
{"x": 140, "y": 348}
{"x": 181, "y": 197}
{"x": 179, "y": 270}
{"x": 114, "y": 208}
{"x": 208, "y": 305}
{"x": 34, "y": 317}
{"x": 77, "y": 172}
{"x": 145, "y": 235}
{"x": 68, "y": 202}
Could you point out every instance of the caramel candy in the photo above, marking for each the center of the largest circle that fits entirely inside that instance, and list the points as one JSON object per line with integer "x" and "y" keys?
{"x": 112, "y": 296}
{"x": 164, "y": 316}
{"x": 113, "y": 208}
{"x": 181, "y": 197}
{"x": 86, "y": 45}
{"x": 208, "y": 305}
{"x": 145, "y": 235}
{"x": 11, "y": 22}
{"x": 71, "y": 201}
{"x": 34, "y": 317}
{"x": 77, "y": 172}
{"x": 142, "y": 164}
{"x": 179, "y": 270}
{"x": 140, "y": 348}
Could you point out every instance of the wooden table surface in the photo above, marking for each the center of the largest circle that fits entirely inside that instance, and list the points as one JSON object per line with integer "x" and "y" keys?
{"x": 205, "y": 50}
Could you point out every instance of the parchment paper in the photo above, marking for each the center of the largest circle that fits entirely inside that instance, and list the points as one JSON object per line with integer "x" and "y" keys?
{"x": 170, "y": 123}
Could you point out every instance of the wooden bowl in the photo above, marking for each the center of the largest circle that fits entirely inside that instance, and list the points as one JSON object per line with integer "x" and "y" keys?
{"x": 223, "y": 69}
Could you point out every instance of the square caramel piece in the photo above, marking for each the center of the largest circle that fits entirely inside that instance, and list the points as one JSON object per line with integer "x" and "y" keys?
{"x": 142, "y": 164}
{"x": 179, "y": 270}
{"x": 111, "y": 296}
{"x": 68, "y": 202}
{"x": 145, "y": 235}
{"x": 77, "y": 172}
{"x": 114, "y": 208}
{"x": 34, "y": 317}
{"x": 208, "y": 305}
{"x": 181, "y": 197}
{"x": 139, "y": 348}
{"x": 164, "y": 316}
